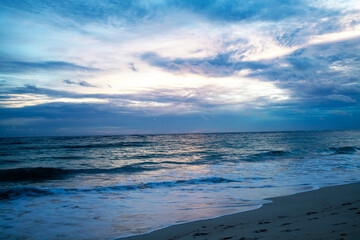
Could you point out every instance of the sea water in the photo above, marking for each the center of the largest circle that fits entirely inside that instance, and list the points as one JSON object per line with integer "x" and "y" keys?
{"x": 106, "y": 187}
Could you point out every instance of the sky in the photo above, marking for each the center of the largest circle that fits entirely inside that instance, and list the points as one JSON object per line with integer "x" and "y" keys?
{"x": 104, "y": 67}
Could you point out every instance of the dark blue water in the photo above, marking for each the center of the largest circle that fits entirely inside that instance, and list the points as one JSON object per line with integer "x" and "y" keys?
{"x": 60, "y": 187}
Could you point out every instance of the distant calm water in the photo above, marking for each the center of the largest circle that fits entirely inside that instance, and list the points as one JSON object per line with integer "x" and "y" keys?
{"x": 113, "y": 186}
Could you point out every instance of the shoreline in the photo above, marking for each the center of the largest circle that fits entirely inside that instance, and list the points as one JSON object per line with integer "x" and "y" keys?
{"x": 324, "y": 213}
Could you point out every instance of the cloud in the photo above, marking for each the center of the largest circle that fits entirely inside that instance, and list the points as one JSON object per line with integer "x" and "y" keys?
{"x": 32, "y": 89}
{"x": 327, "y": 71}
{"x": 19, "y": 66}
{"x": 178, "y": 61}
{"x": 177, "y": 101}
{"x": 132, "y": 11}
{"x": 314, "y": 74}
{"x": 22, "y": 121}
{"x": 67, "y": 81}
{"x": 132, "y": 67}
{"x": 58, "y": 119}
{"x": 341, "y": 98}
{"x": 30, "y": 95}
{"x": 221, "y": 65}
{"x": 323, "y": 75}
{"x": 80, "y": 83}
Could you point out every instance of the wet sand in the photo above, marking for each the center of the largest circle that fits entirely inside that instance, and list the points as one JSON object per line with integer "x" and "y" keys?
{"x": 327, "y": 213}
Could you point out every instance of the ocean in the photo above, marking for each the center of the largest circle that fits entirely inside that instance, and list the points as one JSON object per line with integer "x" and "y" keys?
{"x": 107, "y": 187}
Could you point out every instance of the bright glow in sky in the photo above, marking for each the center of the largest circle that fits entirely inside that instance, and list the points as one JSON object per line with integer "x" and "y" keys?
{"x": 146, "y": 66}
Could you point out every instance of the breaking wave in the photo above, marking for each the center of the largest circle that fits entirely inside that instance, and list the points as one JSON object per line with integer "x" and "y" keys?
{"x": 19, "y": 192}
{"x": 44, "y": 173}
{"x": 343, "y": 150}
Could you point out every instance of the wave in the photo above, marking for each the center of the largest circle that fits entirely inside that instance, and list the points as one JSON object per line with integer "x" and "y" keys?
{"x": 8, "y": 161}
{"x": 67, "y": 157}
{"x": 43, "y": 173}
{"x": 167, "y": 162}
{"x": 48, "y": 173}
{"x": 269, "y": 154}
{"x": 343, "y": 150}
{"x": 17, "y": 143}
{"x": 280, "y": 153}
{"x": 31, "y": 174}
{"x": 124, "y": 169}
{"x": 106, "y": 145}
{"x": 6, "y": 154}
{"x": 98, "y": 145}
{"x": 176, "y": 183}
{"x": 20, "y": 192}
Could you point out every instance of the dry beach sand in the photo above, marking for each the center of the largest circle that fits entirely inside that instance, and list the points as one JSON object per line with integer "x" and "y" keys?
{"x": 327, "y": 213}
